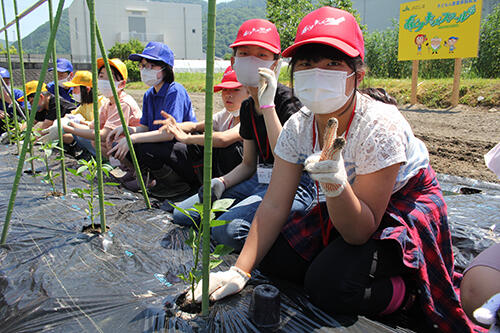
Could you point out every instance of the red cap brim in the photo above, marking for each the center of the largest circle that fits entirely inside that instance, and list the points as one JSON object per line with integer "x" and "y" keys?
{"x": 256, "y": 43}
{"x": 227, "y": 85}
{"x": 336, "y": 43}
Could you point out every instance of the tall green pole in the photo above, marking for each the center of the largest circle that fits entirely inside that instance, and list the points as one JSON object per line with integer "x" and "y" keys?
{"x": 97, "y": 129}
{"x": 23, "y": 77}
{"x": 207, "y": 160}
{"x": 58, "y": 105}
{"x": 122, "y": 118}
{"x": 29, "y": 125}
{"x": 7, "y": 47}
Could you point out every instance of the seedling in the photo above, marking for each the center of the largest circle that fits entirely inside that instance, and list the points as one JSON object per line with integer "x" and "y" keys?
{"x": 50, "y": 177}
{"x": 196, "y": 234}
{"x": 88, "y": 170}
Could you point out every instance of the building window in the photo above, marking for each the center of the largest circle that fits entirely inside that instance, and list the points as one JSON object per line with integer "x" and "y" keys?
{"x": 137, "y": 28}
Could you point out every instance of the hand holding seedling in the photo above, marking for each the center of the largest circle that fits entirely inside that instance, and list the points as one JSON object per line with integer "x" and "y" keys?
{"x": 327, "y": 167}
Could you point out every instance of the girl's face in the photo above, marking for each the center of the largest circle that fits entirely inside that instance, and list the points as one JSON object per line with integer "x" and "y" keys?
{"x": 233, "y": 98}
{"x": 253, "y": 50}
{"x": 76, "y": 90}
{"x": 328, "y": 64}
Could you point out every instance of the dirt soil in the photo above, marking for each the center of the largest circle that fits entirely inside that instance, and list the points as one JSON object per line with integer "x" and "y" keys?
{"x": 457, "y": 138}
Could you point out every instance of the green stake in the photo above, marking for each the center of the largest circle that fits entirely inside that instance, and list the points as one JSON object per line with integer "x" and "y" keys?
{"x": 207, "y": 160}
{"x": 58, "y": 106}
{"x": 29, "y": 125}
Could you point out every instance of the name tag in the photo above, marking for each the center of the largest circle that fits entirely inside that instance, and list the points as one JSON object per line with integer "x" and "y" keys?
{"x": 264, "y": 173}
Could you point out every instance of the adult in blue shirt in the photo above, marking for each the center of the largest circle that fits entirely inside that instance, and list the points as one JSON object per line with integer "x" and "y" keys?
{"x": 64, "y": 74}
{"x": 155, "y": 148}
{"x": 4, "y": 73}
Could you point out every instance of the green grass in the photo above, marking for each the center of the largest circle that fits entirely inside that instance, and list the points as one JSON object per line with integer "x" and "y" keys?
{"x": 433, "y": 93}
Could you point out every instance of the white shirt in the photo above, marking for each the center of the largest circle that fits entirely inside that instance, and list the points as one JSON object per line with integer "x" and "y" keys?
{"x": 223, "y": 120}
{"x": 379, "y": 136}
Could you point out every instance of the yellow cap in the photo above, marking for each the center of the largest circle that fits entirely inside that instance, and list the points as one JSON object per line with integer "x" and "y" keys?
{"x": 116, "y": 63}
{"x": 81, "y": 78}
{"x": 31, "y": 89}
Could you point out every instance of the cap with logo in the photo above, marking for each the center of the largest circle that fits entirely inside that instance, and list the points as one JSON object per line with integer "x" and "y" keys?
{"x": 63, "y": 65}
{"x": 155, "y": 51}
{"x": 4, "y": 73}
{"x": 229, "y": 80}
{"x": 258, "y": 32}
{"x": 81, "y": 78}
{"x": 116, "y": 63}
{"x": 330, "y": 26}
{"x": 31, "y": 89}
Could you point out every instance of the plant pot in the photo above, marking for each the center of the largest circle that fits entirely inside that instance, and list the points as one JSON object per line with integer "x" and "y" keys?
{"x": 264, "y": 307}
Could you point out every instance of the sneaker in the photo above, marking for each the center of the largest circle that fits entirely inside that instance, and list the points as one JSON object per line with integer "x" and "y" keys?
{"x": 133, "y": 185}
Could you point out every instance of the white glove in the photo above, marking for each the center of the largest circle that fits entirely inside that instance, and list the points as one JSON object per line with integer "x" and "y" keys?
{"x": 218, "y": 187}
{"x": 51, "y": 133}
{"x": 487, "y": 313}
{"x": 328, "y": 167}
{"x": 221, "y": 284}
{"x": 267, "y": 86}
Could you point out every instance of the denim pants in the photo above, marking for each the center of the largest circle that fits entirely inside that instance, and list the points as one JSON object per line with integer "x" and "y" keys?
{"x": 84, "y": 144}
{"x": 248, "y": 196}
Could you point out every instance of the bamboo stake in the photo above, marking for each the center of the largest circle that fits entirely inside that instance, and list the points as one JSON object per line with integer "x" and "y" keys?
{"x": 97, "y": 125}
{"x": 207, "y": 160}
{"x": 58, "y": 105}
{"x": 29, "y": 125}
{"x": 122, "y": 117}
{"x": 16, "y": 124}
{"x": 23, "y": 77}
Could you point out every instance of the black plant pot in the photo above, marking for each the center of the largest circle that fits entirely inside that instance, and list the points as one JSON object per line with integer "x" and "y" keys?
{"x": 264, "y": 308}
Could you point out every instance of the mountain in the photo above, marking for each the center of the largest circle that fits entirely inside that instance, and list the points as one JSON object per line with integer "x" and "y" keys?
{"x": 230, "y": 15}
{"x": 36, "y": 42}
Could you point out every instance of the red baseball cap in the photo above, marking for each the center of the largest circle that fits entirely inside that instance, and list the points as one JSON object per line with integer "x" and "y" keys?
{"x": 260, "y": 33}
{"x": 331, "y": 26}
{"x": 229, "y": 80}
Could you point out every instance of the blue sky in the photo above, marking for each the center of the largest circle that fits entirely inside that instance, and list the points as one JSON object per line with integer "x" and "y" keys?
{"x": 34, "y": 19}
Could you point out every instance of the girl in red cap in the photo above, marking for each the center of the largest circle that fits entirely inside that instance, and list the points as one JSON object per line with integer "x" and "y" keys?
{"x": 256, "y": 59}
{"x": 378, "y": 242}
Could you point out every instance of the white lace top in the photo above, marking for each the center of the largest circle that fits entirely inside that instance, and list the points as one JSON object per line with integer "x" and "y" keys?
{"x": 379, "y": 136}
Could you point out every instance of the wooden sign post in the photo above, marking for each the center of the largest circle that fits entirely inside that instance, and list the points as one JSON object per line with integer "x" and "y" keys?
{"x": 414, "y": 81}
{"x": 456, "y": 82}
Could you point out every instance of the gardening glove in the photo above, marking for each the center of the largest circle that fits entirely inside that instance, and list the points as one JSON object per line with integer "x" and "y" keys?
{"x": 221, "y": 284}
{"x": 216, "y": 186}
{"x": 327, "y": 167}
{"x": 267, "y": 86}
{"x": 488, "y": 312}
{"x": 51, "y": 133}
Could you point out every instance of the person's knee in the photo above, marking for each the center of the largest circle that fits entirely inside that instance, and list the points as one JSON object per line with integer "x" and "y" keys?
{"x": 232, "y": 234}
{"x": 478, "y": 284}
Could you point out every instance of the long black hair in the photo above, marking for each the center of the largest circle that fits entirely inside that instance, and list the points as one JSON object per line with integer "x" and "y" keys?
{"x": 86, "y": 95}
{"x": 316, "y": 52}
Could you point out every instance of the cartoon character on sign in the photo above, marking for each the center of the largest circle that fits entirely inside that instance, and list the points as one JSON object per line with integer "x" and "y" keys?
{"x": 434, "y": 45}
{"x": 451, "y": 43}
{"x": 419, "y": 41}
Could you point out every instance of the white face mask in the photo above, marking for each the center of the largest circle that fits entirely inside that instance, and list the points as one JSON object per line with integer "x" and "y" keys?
{"x": 150, "y": 76}
{"x": 235, "y": 113}
{"x": 77, "y": 97}
{"x": 247, "y": 69}
{"x": 60, "y": 83}
{"x": 105, "y": 88}
{"x": 321, "y": 90}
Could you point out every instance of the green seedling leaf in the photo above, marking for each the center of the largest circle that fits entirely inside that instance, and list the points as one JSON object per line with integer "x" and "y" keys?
{"x": 191, "y": 239}
{"x": 222, "y": 204}
{"x": 184, "y": 211}
{"x": 112, "y": 184}
{"x": 218, "y": 223}
{"x": 73, "y": 171}
{"x": 214, "y": 263}
{"x": 32, "y": 158}
{"x": 107, "y": 203}
{"x": 221, "y": 250}
{"x": 81, "y": 169}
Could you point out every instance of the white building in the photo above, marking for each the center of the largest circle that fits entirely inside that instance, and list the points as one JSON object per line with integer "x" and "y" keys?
{"x": 176, "y": 24}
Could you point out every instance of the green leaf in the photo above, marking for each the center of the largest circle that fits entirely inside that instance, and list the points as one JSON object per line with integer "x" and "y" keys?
{"x": 218, "y": 223}
{"x": 107, "y": 203}
{"x": 183, "y": 211}
{"x": 73, "y": 171}
{"x": 112, "y": 184}
{"x": 214, "y": 263}
{"x": 183, "y": 278}
{"x": 221, "y": 250}
{"x": 81, "y": 169}
{"x": 222, "y": 204}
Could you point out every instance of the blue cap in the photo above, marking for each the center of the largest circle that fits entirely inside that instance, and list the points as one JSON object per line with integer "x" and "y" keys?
{"x": 155, "y": 51}
{"x": 63, "y": 65}
{"x": 4, "y": 73}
